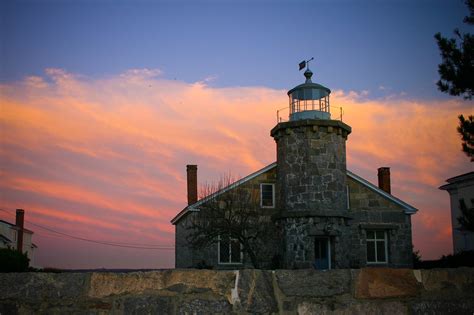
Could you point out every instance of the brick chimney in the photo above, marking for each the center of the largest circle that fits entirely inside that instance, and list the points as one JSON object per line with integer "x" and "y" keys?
{"x": 191, "y": 171}
{"x": 20, "y": 219}
{"x": 384, "y": 179}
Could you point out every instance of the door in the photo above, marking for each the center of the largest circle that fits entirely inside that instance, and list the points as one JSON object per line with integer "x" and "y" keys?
{"x": 322, "y": 253}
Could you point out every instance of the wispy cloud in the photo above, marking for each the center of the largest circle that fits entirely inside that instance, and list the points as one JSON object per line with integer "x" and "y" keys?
{"x": 106, "y": 157}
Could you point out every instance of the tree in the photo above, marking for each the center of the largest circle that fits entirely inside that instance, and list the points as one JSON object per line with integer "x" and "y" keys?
{"x": 231, "y": 214}
{"x": 12, "y": 260}
{"x": 416, "y": 256}
{"x": 457, "y": 74}
{"x": 466, "y": 130}
{"x": 456, "y": 69}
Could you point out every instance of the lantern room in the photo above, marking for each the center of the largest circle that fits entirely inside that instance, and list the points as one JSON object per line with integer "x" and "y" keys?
{"x": 309, "y": 100}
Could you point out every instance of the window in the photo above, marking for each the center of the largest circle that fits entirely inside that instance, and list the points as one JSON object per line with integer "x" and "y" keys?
{"x": 229, "y": 250}
{"x": 267, "y": 195}
{"x": 322, "y": 253}
{"x": 376, "y": 247}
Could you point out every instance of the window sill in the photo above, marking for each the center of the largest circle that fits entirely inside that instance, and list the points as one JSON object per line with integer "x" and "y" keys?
{"x": 230, "y": 264}
{"x": 377, "y": 263}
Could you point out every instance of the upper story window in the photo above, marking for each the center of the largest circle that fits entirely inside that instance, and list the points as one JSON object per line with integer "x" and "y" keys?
{"x": 229, "y": 250}
{"x": 377, "y": 247}
{"x": 267, "y": 195}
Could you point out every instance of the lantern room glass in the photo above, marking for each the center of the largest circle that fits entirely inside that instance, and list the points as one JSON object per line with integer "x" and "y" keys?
{"x": 305, "y": 99}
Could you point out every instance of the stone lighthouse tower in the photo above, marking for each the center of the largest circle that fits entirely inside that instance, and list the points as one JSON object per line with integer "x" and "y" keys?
{"x": 311, "y": 180}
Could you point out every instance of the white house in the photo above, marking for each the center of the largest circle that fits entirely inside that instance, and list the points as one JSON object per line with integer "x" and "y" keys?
{"x": 461, "y": 192}
{"x": 10, "y": 236}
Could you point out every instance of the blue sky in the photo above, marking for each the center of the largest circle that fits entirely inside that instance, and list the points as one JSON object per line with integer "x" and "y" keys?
{"x": 385, "y": 47}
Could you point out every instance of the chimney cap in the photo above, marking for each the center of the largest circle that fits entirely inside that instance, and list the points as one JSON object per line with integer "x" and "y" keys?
{"x": 192, "y": 166}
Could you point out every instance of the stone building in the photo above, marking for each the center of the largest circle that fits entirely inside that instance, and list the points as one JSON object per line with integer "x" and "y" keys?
{"x": 461, "y": 194}
{"x": 323, "y": 215}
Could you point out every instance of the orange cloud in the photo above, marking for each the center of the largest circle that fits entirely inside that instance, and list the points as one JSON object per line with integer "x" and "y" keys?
{"x": 110, "y": 153}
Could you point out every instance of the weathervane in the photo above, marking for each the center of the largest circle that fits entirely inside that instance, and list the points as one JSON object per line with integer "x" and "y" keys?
{"x": 305, "y": 63}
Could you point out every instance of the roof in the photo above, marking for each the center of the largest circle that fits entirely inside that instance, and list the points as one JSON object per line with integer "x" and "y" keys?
{"x": 310, "y": 85}
{"x": 195, "y": 206}
{"x": 5, "y": 239}
{"x": 15, "y": 227}
{"x": 454, "y": 181}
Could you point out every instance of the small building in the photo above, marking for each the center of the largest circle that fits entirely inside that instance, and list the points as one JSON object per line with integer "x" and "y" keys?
{"x": 461, "y": 194}
{"x": 324, "y": 216}
{"x": 15, "y": 236}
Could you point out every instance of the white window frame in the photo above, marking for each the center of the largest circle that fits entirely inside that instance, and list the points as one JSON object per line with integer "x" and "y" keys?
{"x": 328, "y": 250}
{"x": 273, "y": 195}
{"x": 230, "y": 262}
{"x": 348, "y": 196}
{"x": 375, "y": 240}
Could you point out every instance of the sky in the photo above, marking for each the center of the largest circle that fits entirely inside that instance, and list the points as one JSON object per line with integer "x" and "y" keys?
{"x": 103, "y": 103}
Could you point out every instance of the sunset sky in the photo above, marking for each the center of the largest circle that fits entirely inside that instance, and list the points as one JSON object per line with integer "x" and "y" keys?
{"x": 103, "y": 103}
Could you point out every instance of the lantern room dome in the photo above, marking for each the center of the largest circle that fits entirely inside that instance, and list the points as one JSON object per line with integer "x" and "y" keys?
{"x": 309, "y": 100}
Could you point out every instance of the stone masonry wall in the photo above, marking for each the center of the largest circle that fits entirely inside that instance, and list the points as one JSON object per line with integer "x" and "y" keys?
{"x": 311, "y": 157}
{"x": 344, "y": 291}
{"x": 347, "y": 231}
{"x": 187, "y": 257}
{"x": 370, "y": 211}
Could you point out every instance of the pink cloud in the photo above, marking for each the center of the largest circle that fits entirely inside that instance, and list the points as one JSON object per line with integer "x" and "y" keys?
{"x": 106, "y": 157}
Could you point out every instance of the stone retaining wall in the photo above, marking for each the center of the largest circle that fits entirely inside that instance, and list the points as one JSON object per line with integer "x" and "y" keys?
{"x": 181, "y": 291}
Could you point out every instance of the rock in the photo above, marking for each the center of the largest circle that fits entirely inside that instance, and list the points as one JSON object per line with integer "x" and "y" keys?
{"x": 8, "y": 308}
{"x": 442, "y": 306}
{"x": 40, "y": 286}
{"x": 313, "y": 283}
{"x": 448, "y": 281}
{"x": 385, "y": 283}
{"x": 144, "y": 304}
{"x": 204, "y": 306}
{"x": 255, "y": 291}
{"x": 107, "y": 284}
{"x": 380, "y": 308}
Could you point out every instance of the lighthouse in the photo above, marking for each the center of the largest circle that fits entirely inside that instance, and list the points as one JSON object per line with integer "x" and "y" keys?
{"x": 311, "y": 211}
{"x": 311, "y": 177}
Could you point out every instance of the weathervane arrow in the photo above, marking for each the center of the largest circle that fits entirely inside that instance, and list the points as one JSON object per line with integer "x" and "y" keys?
{"x": 305, "y": 63}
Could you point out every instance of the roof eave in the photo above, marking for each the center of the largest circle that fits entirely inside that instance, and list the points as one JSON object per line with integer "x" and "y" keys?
{"x": 195, "y": 206}
{"x": 182, "y": 213}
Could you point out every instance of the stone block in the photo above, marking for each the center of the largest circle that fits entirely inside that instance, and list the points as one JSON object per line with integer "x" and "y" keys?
{"x": 8, "y": 308}
{"x": 380, "y": 308}
{"x": 106, "y": 284}
{"x": 40, "y": 286}
{"x": 374, "y": 203}
{"x": 255, "y": 291}
{"x": 442, "y": 306}
{"x": 144, "y": 304}
{"x": 454, "y": 280}
{"x": 313, "y": 283}
{"x": 203, "y": 306}
{"x": 377, "y": 283}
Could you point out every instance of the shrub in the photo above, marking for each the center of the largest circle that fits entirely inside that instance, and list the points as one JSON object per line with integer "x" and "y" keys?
{"x": 462, "y": 259}
{"x": 13, "y": 261}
